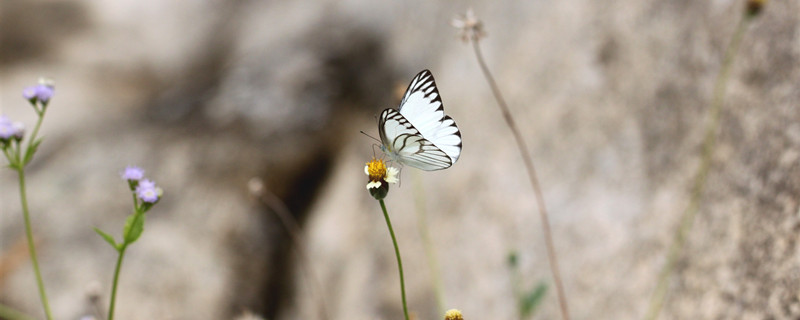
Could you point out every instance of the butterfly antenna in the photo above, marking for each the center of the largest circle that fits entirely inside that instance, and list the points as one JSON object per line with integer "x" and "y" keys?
{"x": 373, "y": 138}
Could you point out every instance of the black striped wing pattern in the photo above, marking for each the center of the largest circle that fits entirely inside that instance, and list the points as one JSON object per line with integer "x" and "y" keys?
{"x": 419, "y": 134}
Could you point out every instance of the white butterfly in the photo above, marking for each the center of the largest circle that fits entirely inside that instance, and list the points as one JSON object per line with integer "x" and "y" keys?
{"x": 418, "y": 133}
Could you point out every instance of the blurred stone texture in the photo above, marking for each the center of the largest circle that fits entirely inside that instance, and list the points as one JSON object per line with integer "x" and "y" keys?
{"x": 610, "y": 95}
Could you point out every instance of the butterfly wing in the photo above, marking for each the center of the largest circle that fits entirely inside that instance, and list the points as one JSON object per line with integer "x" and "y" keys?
{"x": 422, "y": 107}
{"x": 404, "y": 143}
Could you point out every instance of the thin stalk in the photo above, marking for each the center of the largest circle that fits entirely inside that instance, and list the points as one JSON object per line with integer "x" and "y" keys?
{"x": 399, "y": 261}
{"x": 9, "y": 313}
{"x": 523, "y": 149}
{"x": 425, "y": 234}
{"x": 709, "y": 142}
{"x": 36, "y": 128}
{"x": 116, "y": 280}
{"x": 10, "y": 156}
{"x": 31, "y": 246}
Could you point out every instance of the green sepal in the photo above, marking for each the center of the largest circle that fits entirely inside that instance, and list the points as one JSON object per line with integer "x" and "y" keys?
{"x": 31, "y": 150}
{"x": 108, "y": 238}
{"x": 146, "y": 206}
{"x": 134, "y": 226}
{"x": 532, "y": 300}
{"x": 379, "y": 193}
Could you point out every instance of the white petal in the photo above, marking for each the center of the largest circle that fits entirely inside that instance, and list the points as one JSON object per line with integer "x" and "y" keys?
{"x": 366, "y": 170}
{"x": 373, "y": 184}
{"x": 392, "y": 174}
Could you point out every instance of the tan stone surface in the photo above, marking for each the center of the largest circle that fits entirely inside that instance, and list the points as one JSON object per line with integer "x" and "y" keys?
{"x": 610, "y": 95}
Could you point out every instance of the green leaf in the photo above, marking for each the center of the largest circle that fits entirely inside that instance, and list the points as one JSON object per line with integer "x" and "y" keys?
{"x": 31, "y": 150}
{"x": 134, "y": 226}
{"x": 532, "y": 300}
{"x": 108, "y": 238}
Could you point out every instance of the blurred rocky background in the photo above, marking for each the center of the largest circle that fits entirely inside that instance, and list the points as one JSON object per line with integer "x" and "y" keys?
{"x": 207, "y": 95}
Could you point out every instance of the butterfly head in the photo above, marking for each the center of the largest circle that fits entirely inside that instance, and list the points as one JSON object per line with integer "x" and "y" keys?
{"x": 394, "y": 156}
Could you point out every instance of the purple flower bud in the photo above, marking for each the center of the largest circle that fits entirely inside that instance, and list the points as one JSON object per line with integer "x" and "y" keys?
{"x": 29, "y": 93}
{"x": 7, "y": 129}
{"x": 133, "y": 173}
{"x": 44, "y": 92}
{"x": 147, "y": 184}
{"x": 19, "y": 130}
{"x": 41, "y": 92}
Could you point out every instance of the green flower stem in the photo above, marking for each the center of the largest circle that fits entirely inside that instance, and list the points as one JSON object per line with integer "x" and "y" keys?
{"x": 31, "y": 245}
{"x": 399, "y": 261}
{"x": 709, "y": 142}
{"x": 32, "y": 139}
{"x": 17, "y": 155}
{"x": 135, "y": 200}
{"x": 12, "y": 314}
{"x": 116, "y": 280}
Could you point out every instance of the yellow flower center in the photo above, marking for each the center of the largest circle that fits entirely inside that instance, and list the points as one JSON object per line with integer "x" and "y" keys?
{"x": 453, "y": 314}
{"x": 376, "y": 169}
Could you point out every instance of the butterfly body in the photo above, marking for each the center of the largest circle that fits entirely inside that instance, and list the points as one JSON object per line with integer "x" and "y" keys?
{"x": 418, "y": 133}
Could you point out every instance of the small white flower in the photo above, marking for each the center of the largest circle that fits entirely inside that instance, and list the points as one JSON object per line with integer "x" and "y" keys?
{"x": 378, "y": 173}
{"x": 470, "y": 28}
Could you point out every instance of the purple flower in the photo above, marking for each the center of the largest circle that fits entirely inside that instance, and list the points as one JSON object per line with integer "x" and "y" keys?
{"x": 146, "y": 183}
{"x": 133, "y": 173}
{"x": 44, "y": 92}
{"x": 29, "y": 93}
{"x": 147, "y": 191}
{"x": 10, "y": 129}
{"x": 39, "y": 92}
{"x": 6, "y": 131}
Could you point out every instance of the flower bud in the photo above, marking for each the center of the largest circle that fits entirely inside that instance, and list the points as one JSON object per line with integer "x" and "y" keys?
{"x": 453, "y": 314}
{"x": 7, "y": 129}
{"x": 19, "y": 130}
{"x": 40, "y": 93}
{"x": 379, "y": 192}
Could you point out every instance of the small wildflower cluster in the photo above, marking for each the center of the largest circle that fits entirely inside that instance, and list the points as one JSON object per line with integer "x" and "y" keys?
{"x": 40, "y": 94}
{"x": 379, "y": 178}
{"x": 145, "y": 195}
{"x": 12, "y": 132}
{"x": 19, "y": 155}
{"x": 144, "y": 189}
